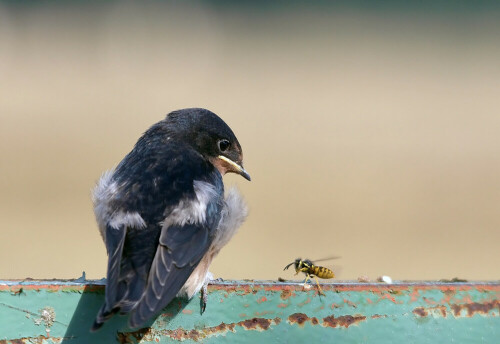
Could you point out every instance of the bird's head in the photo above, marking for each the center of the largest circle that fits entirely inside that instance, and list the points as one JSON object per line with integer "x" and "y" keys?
{"x": 210, "y": 136}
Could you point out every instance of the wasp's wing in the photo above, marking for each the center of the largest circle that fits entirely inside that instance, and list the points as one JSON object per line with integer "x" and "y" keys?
{"x": 324, "y": 259}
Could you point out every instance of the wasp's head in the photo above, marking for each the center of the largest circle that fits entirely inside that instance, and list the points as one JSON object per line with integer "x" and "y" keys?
{"x": 298, "y": 263}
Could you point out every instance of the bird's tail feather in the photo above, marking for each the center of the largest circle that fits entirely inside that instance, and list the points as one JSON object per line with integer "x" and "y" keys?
{"x": 103, "y": 316}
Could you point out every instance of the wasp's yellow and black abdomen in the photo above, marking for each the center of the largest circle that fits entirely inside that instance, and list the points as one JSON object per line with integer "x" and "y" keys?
{"x": 322, "y": 272}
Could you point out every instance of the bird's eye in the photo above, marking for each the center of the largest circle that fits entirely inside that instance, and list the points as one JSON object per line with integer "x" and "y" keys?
{"x": 224, "y": 145}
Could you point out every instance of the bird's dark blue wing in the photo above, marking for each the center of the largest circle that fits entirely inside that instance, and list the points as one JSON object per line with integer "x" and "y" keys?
{"x": 179, "y": 251}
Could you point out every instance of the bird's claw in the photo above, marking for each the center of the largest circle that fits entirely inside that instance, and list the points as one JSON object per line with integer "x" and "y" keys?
{"x": 204, "y": 297}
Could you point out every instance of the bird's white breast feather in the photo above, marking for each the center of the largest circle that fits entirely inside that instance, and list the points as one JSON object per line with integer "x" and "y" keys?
{"x": 191, "y": 210}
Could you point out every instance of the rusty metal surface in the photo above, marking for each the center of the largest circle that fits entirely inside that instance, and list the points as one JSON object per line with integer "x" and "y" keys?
{"x": 246, "y": 312}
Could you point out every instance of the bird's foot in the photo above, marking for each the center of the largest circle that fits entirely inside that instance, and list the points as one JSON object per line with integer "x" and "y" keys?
{"x": 204, "y": 297}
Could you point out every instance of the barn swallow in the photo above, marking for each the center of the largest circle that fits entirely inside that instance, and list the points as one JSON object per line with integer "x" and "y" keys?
{"x": 163, "y": 215}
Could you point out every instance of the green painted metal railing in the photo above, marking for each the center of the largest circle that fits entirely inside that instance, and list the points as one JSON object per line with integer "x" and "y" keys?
{"x": 261, "y": 311}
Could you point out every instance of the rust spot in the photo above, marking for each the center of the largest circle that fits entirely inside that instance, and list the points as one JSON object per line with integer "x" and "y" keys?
{"x": 33, "y": 340}
{"x": 449, "y": 291}
{"x": 414, "y": 295}
{"x": 298, "y": 318}
{"x": 194, "y": 335}
{"x": 420, "y": 311}
{"x": 180, "y": 334}
{"x": 187, "y": 311}
{"x": 429, "y": 301}
{"x": 286, "y": 294}
{"x": 344, "y": 320}
{"x": 253, "y": 324}
{"x": 124, "y": 338}
{"x": 475, "y": 307}
{"x": 262, "y": 299}
{"x": 376, "y": 316}
{"x": 388, "y": 296}
{"x": 471, "y": 308}
{"x": 301, "y": 319}
{"x": 350, "y": 303}
{"x": 13, "y": 341}
{"x": 282, "y": 305}
{"x": 436, "y": 310}
{"x": 442, "y": 309}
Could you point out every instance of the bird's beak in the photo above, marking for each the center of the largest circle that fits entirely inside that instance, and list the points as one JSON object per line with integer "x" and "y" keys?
{"x": 234, "y": 167}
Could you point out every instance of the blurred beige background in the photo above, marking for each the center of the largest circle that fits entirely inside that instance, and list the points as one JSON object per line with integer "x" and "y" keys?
{"x": 370, "y": 133}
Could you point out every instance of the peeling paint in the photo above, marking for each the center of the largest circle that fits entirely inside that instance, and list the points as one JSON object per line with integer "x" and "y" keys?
{"x": 34, "y": 340}
{"x": 377, "y": 316}
{"x": 329, "y": 321}
{"x": 286, "y": 294}
{"x": 300, "y": 319}
{"x": 179, "y": 334}
{"x": 344, "y": 320}
{"x": 475, "y": 307}
{"x": 47, "y": 317}
{"x": 457, "y": 310}
{"x": 420, "y": 311}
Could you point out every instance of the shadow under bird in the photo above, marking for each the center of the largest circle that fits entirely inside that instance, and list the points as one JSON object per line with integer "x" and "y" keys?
{"x": 163, "y": 215}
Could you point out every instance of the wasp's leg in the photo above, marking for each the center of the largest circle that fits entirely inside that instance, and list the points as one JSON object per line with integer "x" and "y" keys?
{"x": 319, "y": 287}
{"x": 305, "y": 281}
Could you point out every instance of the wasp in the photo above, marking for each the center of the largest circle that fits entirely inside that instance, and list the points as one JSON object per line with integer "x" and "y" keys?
{"x": 310, "y": 269}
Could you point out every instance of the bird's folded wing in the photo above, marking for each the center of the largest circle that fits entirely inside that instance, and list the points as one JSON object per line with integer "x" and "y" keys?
{"x": 179, "y": 251}
{"x": 115, "y": 239}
